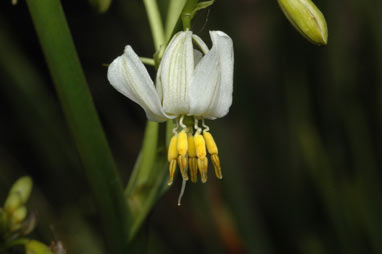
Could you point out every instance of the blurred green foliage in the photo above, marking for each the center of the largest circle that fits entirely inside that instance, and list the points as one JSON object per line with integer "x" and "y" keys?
{"x": 300, "y": 147}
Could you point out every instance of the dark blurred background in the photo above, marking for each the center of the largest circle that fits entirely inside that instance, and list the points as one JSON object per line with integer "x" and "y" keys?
{"x": 300, "y": 147}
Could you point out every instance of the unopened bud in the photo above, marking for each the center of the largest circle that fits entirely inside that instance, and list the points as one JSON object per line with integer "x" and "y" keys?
{"x": 23, "y": 186}
{"x": 36, "y": 247}
{"x": 307, "y": 19}
{"x": 19, "y": 215}
{"x": 13, "y": 201}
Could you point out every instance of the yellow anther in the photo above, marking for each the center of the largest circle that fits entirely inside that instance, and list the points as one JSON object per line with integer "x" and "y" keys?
{"x": 172, "y": 150}
{"x": 203, "y": 166}
{"x": 172, "y": 169}
{"x": 193, "y": 165}
{"x": 210, "y": 143}
{"x": 216, "y": 162}
{"x": 213, "y": 150}
{"x": 200, "y": 146}
{"x": 192, "y": 160}
{"x": 172, "y": 157}
{"x": 182, "y": 161}
{"x": 191, "y": 146}
{"x": 182, "y": 144}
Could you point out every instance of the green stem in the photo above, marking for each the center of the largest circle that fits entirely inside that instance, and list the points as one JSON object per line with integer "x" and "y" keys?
{"x": 148, "y": 61}
{"x": 149, "y": 176}
{"x": 175, "y": 8}
{"x": 155, "y": 23}
{"x": 187, "y": 13}
{"x": 82, "y": 118}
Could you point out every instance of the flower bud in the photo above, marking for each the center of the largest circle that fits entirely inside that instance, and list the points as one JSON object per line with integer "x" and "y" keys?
{"x": 307, "y": 19}
{"x": 36, "y": 247}
{"x": 23, "y": 186}
{"x": 13, "y": 201}
{"x": 19, "y": 215}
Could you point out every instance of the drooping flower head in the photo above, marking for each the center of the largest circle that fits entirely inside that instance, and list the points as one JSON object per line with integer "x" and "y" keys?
{"x": 192, "y": 82}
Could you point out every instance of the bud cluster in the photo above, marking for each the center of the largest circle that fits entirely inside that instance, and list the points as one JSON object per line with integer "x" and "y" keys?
{"x": 13, "y": 215}
{"x": 16, "y": 223}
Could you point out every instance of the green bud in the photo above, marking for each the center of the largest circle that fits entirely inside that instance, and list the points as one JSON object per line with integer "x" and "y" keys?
{"x": 36, "y": 247}
{"x": 307, "y": 19}
{"x": 23, "y": 186}
{"x": 19, "y": 215}
{"x": 13, "y": 201}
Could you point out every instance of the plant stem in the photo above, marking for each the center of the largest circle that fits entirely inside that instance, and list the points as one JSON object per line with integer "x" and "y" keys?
{"x": 82, "y": 118}
{"x": 155, "y": 23}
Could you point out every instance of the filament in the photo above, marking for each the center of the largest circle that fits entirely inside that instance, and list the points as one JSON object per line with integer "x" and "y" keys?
{"x": 206, "y": 128}
{"x": 181, "y": 122}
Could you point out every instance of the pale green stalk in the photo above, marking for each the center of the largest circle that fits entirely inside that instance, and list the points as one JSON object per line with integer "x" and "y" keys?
{"x": 148, "y": 61}
{"x": 149, "y": 177}
{"x": 174, "y": 11}
{"x": 155, "y": 21}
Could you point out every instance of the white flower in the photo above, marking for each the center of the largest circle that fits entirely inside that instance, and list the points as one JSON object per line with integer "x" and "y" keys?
{"x": 190, "y": 82}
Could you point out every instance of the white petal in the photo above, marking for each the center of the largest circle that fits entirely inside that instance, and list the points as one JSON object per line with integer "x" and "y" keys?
{"x": 129, "y": 76}
{"x": 212, "y": 81}
{"x": 175, "y": 72}
{"x": 197, "y": 57}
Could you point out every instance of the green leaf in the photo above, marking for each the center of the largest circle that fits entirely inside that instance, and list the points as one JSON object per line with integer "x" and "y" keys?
{"x": 82, "y": 118}
{"x": 202, "y": 5}
{"x": 191, "y": 8}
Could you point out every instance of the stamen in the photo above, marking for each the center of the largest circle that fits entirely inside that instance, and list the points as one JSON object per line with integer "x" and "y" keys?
{"x": 203, "y": 166}
{"x": 182, "y": 144}
{"x": 182, "y": 148}
{"x": 213, "y": 150}
{"x": 206, "y": 128}
{"x": 196, "y": 124}
{"x": 196, "y": 127}
{"x": 172, "y": 157}
{"x": 182, "y": 161}
{"x": 181, "y": 122}
{"x": 175, "y": 129}
{"x": 200, "y": 148}
{"x": 182, "y": 191}
{"x": 216, "y": 162}
{"x": 172, "y": 169}
{"x": 192, "y": 160}
{"x": 193, "y": 164}
{"x": 210, "y": 143}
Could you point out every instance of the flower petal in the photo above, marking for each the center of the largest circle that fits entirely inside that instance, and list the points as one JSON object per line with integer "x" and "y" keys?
{"x": 129, "y": 76}
{"x": 174, "y": 74}
{"x": 212, "y": 81}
